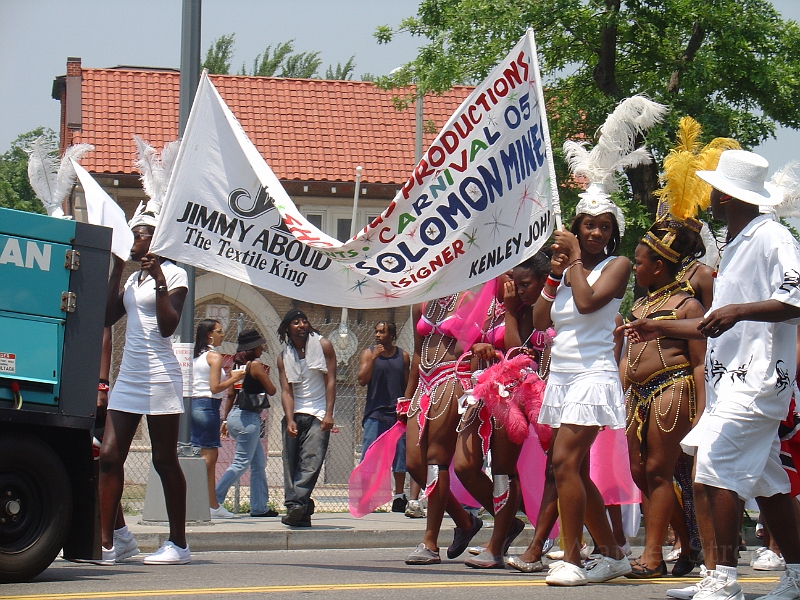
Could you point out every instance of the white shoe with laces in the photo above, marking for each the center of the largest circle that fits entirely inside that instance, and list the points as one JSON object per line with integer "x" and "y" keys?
{"x": 788, "y": 587}
{"x": 169, "y": 554}
{"x": 757, "y": 553}
{"x": 125, "y": 546}
{"x": 769, "y": 561}
{"x": 606, "y": 568}
{"x": 716, "y": 586}
{"x": 688, "y": 592}
{"x": 566, "y": 574}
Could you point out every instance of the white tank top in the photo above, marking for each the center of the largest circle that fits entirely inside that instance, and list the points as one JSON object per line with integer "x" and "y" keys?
{"x": 583, "y": 342}
{"x": 309, "y": 394}
{"x": 201, "y": 371}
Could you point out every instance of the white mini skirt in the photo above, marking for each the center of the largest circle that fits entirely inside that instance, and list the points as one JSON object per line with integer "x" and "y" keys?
{"x": 593, "y": 398}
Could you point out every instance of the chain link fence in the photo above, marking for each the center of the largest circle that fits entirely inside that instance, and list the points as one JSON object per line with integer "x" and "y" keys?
{"x": 344, "y": 450}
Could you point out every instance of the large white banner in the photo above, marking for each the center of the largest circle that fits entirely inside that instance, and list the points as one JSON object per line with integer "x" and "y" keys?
{"x": 480, "y": 201}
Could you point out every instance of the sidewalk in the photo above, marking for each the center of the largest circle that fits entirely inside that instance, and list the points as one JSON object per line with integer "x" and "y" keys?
{"x": 330, "y": 530}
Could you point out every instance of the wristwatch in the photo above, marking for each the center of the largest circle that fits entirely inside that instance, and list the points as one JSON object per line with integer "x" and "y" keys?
{"x": 161, "y": 290}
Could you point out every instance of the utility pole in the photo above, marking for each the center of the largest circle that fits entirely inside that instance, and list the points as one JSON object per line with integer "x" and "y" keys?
{"x": 189, "y": 78}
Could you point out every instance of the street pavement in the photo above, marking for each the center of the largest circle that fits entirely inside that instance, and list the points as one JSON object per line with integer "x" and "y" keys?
{"x": 346, "y": 574}
{"x": 247, "y": 557}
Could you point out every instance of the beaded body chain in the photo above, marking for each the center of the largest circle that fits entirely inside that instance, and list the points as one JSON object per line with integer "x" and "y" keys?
{"x": 651, "y": 304}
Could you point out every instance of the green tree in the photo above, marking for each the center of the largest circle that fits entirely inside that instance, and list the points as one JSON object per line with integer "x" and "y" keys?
{"x": 342, "y": 72}
{"x": 219, "y": 55}
{"x": 734, "y": 65}
{"x": 15, "y": 188}
{"x": 267, "y": 64}
{"x": 303, "y": 65}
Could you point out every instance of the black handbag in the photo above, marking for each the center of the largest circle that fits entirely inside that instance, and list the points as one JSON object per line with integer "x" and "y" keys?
{"x": 249, "y": 400}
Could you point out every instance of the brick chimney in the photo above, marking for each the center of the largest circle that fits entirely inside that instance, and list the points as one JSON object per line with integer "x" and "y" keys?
{"x": 70, "y": 102}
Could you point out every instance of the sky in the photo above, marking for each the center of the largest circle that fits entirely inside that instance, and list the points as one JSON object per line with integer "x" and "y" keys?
{"x": 37, "y": 36}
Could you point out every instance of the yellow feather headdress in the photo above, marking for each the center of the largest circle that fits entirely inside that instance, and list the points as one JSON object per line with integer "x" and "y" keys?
{"x": 683, "y": 193}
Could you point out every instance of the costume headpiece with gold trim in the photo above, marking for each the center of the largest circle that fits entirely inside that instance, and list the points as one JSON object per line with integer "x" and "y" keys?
{"x": 684, "y": 193}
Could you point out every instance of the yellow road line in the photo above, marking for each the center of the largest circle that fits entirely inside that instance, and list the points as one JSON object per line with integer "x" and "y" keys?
{"x": 515, "y": 582}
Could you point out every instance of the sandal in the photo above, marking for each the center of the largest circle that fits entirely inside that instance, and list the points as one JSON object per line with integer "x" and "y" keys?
{"x": 641, "y": 571}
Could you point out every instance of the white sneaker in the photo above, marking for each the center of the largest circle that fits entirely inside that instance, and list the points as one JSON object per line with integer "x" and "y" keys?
{"x": 414, "y": 510}
{"x": 769, "y": 561}
{"x": 169, "y": 554}
{"x": 566, "y": 574}
{"x": 221, "y": 513}
{"x": 688, "y": 592}
{"x": 757, "y": 553}
{"x": 125, "y": 546}
{"x": 108, "y": 560}
{"x": 788, "y": 587}
{"x": 716, "y": 586}
{"x": 606, "y": 568}
{"x": 559, "y": 554}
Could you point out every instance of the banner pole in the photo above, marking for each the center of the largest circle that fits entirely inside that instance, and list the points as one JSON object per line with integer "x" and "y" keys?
{"x": 344, "y": 329}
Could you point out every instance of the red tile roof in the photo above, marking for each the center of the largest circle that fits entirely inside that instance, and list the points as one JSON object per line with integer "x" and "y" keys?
{"x": 306, "y": 129}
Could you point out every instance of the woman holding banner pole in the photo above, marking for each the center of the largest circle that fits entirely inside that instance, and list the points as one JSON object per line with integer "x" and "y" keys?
{"x": 149, "y": 383}
{"x": 581, "y": 299}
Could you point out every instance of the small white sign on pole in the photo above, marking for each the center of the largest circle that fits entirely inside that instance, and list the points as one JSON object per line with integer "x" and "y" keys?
{"x": 183, "y": 352}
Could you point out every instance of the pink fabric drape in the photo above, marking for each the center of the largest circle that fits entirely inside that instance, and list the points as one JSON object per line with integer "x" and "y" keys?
{"x": 370, "y": 484}
{"x": 611, "y": 470}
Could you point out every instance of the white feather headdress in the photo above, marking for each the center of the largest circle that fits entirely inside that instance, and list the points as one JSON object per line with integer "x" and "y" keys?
{"x": 51, "y": 180}
{"x": 615, "y": 150}
{"x": 155, "y": 171}
{"x": 787, "y": 181}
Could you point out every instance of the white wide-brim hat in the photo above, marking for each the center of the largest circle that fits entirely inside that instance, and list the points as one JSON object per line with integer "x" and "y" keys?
{"x": 743, "y": 175}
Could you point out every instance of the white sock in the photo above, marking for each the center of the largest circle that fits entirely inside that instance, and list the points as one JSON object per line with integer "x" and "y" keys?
{"x": 122, "y": 531}
{"x": 729, "y": 572}
{"x": 396, "y": 496}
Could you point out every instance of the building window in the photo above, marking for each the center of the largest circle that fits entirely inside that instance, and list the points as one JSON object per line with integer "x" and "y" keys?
{"x": 343, "y": 229}
{"x": 315, "y": 219}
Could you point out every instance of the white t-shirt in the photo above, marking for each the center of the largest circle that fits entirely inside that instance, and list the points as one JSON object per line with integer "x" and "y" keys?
{"x": 753, "y": 364}
{"x": 149, "y": 380}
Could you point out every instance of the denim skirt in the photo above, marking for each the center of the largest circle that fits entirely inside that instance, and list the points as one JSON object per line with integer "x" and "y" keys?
{"x": 205, "y": 422}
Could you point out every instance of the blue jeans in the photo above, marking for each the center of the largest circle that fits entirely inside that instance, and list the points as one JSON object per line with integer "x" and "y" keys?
{"x": 244, "y": 426}
{"x": 303, "y": 456}
{"x": 372, "y": 429}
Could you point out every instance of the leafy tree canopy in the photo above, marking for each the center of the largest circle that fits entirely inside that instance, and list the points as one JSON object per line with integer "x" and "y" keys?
{"x": 734, "y": 65}
{"x": 15, "y": 188}
{"x": 278, "y": 61}
{"x": 219, "y": 55}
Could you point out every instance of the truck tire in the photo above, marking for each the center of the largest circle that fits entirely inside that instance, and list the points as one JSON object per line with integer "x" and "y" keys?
{"x": 35, "y": 507}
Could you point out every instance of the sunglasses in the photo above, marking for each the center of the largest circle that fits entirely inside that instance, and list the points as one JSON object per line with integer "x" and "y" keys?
{"x": 141, "y": 236}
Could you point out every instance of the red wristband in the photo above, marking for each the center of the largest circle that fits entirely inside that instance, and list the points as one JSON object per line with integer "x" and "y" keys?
{"x": 102, "y": 387}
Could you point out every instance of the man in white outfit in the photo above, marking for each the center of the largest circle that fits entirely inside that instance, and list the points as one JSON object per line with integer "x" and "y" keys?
{"x": 750, "y": 366}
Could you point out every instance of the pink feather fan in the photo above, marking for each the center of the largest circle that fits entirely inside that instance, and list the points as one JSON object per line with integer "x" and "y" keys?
{"x": 512, "y": 392}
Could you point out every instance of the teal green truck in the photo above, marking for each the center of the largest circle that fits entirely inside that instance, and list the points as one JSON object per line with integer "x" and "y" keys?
{"x": 53, "y": 281}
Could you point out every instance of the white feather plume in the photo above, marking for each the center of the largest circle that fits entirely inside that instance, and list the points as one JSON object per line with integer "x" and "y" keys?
{"x": 616, "y": 146}
{"x": 155, "y": 171}
{"x": 66, "y": 171}
{"x": 147, "y": 163}
{"x": 42, "y": 169}
{"x": 168, "y": 156}
{"x": 786, "y": 179}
